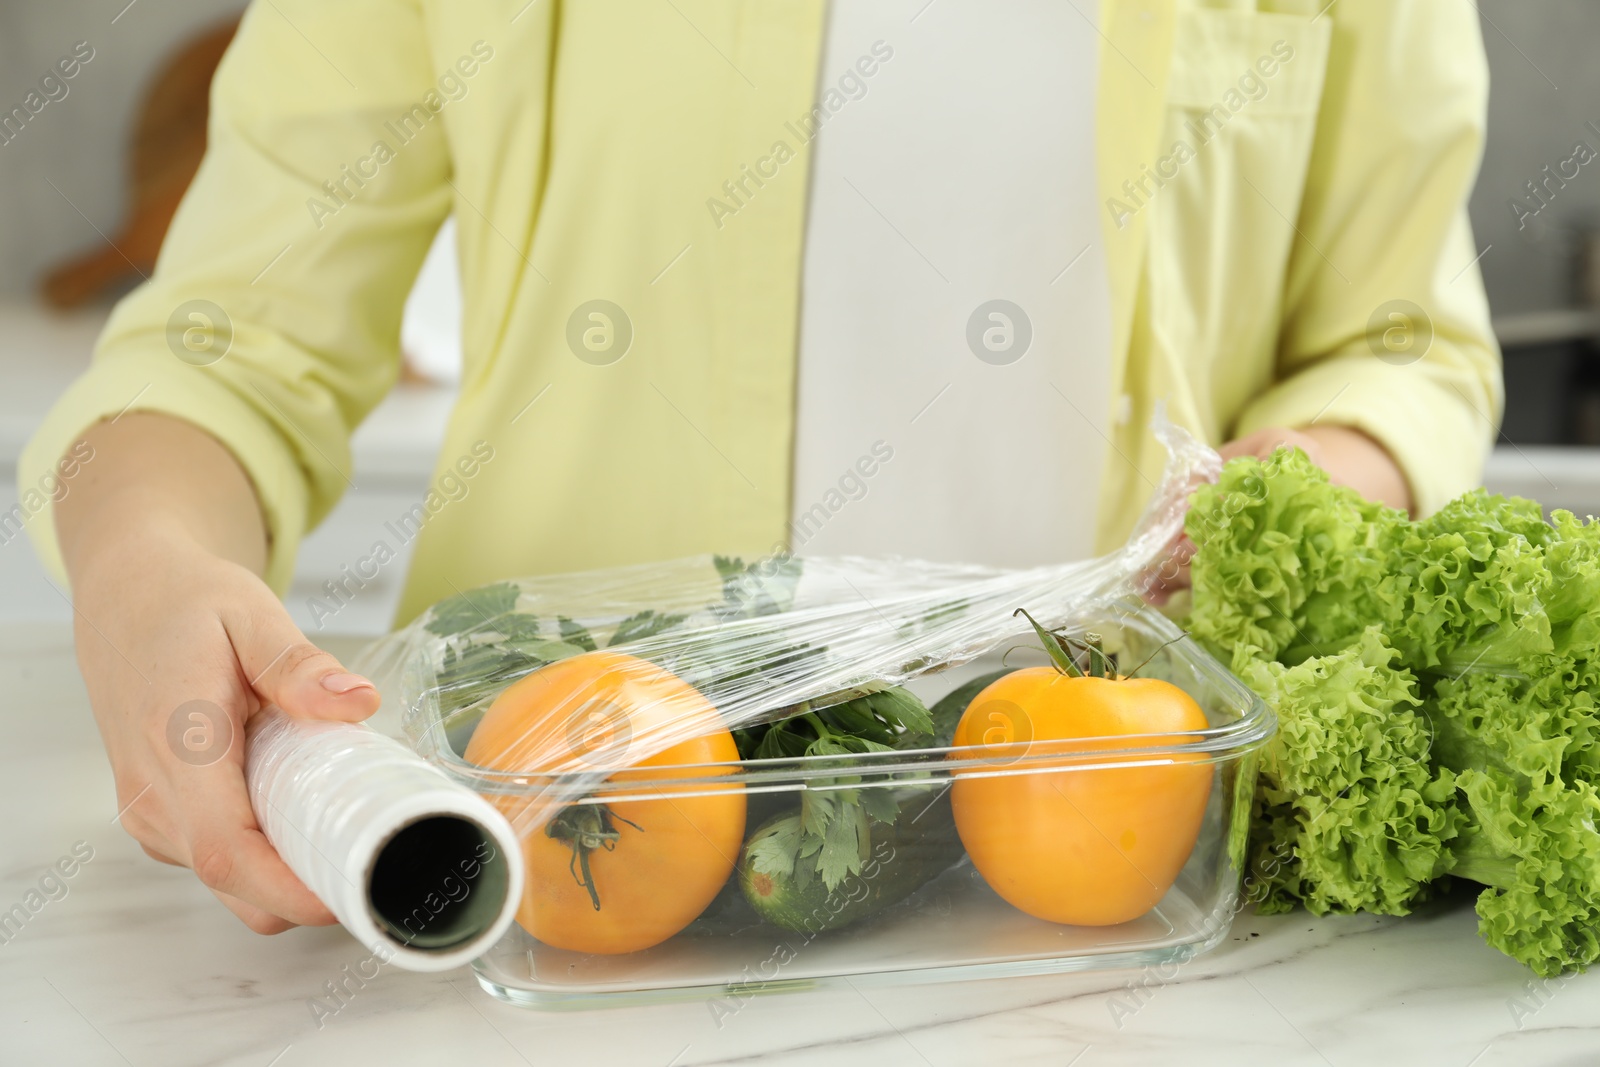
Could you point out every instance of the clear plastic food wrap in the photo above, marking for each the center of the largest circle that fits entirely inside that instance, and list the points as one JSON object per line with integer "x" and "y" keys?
{"x": 700, "y": 754}
{"x": 753, "y": 641}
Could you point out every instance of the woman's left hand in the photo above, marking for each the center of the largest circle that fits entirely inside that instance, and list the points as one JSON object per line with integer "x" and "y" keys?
{"x": 1349, "y": 456}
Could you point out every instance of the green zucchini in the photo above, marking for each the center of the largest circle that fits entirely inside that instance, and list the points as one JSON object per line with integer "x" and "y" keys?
{"x": 900, "y": 850}
{"x": 948, "y": 711}
{"x": 903, "y": 855}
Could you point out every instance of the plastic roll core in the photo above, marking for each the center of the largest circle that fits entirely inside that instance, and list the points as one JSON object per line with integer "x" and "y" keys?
{"x": 403, "y": 888}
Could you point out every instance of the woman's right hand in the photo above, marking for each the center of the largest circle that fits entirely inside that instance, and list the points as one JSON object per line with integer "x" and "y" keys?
{"x": 179, "y": 646}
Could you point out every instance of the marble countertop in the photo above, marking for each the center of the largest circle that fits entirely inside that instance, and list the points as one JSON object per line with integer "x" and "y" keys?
{"x": 136, "y": 964}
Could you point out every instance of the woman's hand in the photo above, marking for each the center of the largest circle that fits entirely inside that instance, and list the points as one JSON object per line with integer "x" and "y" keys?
{"x": 180, "y": 643}
{"x": 1349, "y": 456}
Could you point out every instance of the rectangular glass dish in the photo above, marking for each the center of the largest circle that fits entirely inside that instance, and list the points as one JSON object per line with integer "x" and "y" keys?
{"x": 952, "y": 925}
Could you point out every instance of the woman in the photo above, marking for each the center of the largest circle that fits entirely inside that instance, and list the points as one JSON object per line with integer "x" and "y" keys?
{"x": 930, "y": 268}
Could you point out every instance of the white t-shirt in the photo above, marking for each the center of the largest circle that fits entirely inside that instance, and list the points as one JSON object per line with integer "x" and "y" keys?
{"x": 955, "y": 317}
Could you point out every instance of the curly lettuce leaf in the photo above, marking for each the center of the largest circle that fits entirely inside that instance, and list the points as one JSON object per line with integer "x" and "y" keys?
{"x": 1473, "y": 583}
{"x": 1534, "y": 845}
{"x": 1526, "y": 756}
{"x": 1516, "y": 725}
{"x": 1574, "y": 593}
{"x": 1351, "y": 814}
{"x": 1287, "y": 564}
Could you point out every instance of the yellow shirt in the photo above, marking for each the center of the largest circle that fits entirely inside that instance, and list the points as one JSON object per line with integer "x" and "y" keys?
{"x": 1279, "y": 186}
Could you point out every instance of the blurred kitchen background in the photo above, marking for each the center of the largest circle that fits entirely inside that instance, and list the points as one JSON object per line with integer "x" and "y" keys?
{"x": 103, "y": 164}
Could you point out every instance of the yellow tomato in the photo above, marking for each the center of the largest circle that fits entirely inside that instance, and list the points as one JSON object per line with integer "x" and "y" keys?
{"x": 1086, "y": 847}
{"x": 621, "y": 876}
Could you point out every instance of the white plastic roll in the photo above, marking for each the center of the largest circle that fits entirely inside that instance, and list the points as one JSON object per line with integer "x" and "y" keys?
{"x": 416, "y": 867}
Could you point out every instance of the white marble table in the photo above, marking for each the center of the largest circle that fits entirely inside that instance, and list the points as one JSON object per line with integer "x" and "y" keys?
{"x": 137, "y": 965}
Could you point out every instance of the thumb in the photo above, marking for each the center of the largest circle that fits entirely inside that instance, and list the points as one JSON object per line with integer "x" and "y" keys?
{"x": 285, "y": 669}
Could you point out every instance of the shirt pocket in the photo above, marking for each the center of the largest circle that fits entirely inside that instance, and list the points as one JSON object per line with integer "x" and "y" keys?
{"x": 1243, "y": 96}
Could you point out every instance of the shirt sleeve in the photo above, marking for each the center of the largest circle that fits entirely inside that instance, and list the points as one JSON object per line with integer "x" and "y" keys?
{"x": 1385, "y": 326}
{"x": 272, "y": 319}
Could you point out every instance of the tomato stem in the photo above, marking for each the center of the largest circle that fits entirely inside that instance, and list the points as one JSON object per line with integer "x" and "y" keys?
{"x": 1063, "y": 651}
{"x": 586, "y": 827}
{"x": 1156, "y": 653}
{"x": 1055, "y": 646}
{"x": 1100, "y": 665}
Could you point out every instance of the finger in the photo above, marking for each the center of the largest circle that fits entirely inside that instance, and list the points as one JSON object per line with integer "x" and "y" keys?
{"x": 1248, "y": 445}
{"x": 159, "y": 857}
{"x": 244, "y": 866}
{"x": 287, "y": 670}
{"x": 229, "y": 853}
{"x": 1264, "y": 442}
{"x": 1173, "y": 574}
{"x": 262, "y": 922}
{"x": 1182, "y": 553}
{"x": 1178, "y": 578}
{"x": 145, "y": 820}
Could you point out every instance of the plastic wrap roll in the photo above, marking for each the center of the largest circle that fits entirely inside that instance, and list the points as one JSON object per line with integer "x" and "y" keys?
{"x": 418, "y": 868}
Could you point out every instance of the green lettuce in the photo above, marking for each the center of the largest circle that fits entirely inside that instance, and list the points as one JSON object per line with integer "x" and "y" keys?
{"x": 1471, "y": 584}
{"x": 1436, "y": 684}
{"x": 1574, "y": 593}
{"x": 1287, "y": 564}
{"x": 1525, "y": 755}
{"x": 1352, "y": 816}
{"x": 1532, "y": 842}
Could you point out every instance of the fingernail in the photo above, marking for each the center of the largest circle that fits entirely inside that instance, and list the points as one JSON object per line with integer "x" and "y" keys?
{"x": 344, "y": 683}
